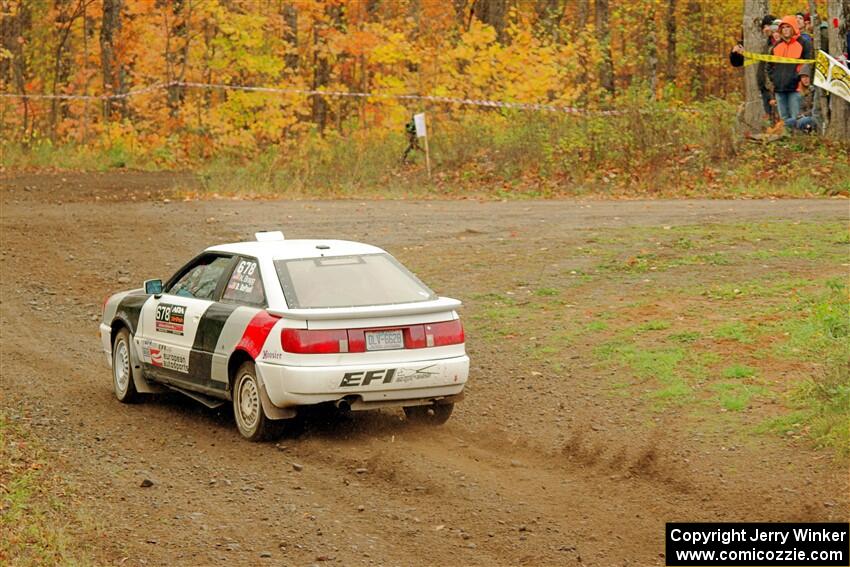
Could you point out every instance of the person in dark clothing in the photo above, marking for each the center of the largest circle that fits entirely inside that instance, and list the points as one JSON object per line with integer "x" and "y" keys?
{"x": 824, "y": 37}
{"x": 736, "y": 59}
{"x": 412, "y": 140}
{"x": 802, "y": 20}
{"x": 808, "y": 120}
{"x": 786, "y": 76}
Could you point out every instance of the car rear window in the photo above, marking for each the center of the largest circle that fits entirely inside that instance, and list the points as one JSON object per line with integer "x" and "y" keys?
{"x": 349, "y": 281}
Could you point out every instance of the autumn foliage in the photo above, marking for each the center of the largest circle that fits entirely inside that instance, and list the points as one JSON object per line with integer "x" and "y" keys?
{"x": 661, "y": 64}
{"x": 530, "y": 51}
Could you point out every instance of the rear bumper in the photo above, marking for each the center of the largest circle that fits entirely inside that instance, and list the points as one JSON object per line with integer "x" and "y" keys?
{"x": 407, "y": 383}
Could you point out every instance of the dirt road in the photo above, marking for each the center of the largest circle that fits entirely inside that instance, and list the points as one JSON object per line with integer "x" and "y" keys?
{"x": 522, "y": 474}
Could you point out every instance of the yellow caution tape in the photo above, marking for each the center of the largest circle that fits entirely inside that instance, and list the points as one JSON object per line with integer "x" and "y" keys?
{"x": 754, "y": 57}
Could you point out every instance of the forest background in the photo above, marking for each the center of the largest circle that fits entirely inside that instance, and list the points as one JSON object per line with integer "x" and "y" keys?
{"x": 660, "y": 65}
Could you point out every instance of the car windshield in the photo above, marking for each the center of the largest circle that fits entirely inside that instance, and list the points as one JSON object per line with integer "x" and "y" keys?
{"x": 349, "y": 281}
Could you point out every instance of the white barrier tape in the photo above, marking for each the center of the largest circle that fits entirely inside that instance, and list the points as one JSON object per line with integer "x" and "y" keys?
{"x": 430, "y": 98}
{"x": 128, "y": 94}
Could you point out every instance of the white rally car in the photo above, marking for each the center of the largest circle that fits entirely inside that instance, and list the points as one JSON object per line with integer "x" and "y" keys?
{"x": 275, "y": 324}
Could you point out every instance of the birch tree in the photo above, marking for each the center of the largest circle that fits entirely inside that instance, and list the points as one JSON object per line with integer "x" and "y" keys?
{"x": 839, "y": 109}
{"x": 754, "y": 11}
{"x": 113, "y": 69}
{"x": 603, "y": 33}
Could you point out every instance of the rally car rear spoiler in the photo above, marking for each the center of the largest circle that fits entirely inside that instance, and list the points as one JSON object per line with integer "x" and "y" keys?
{"x": 371, "y": 311}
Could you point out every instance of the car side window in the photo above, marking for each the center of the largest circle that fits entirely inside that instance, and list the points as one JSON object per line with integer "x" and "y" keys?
{"x": 245, "y": 284}
{"x": 201, "y": 280}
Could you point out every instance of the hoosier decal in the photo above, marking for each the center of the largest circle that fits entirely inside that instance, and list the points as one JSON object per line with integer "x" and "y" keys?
{"x": 170, "y": 318}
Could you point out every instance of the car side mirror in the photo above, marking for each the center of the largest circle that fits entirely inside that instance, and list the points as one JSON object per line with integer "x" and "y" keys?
{"x": 153, "y": 287}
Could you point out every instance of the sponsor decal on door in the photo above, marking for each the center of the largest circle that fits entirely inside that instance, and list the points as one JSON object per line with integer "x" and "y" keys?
{"x": 162, "y": 356}
{"x": 170, "y": 318}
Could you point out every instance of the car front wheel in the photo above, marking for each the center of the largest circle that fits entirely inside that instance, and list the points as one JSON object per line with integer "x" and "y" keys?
{"x": 122, "y": 368}
{"x": 251, "y": 421}
{"x": 436, "y": 414}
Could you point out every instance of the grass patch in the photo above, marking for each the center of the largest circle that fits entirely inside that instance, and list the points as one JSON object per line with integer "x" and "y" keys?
{"x": 596, "y": 326}
{"x": 821, "y": 334}
{"x": 547, "y": 292}
{"x": 676, "y": 390}
{"x": 685, "y": 337}
{"x": 94, "y": 157}
{"x": 821, "y": 325}
{"x": 756, "y": 289}
{"x": 711, "y": 339}
{"x": 502, "y": 314}
{"x": 650, "y": 149}
{"x": 713, "y": 259}
{"x": 786, "y": 424}
{"x": 37, "y": 519}
{"x": 738, "y": 371}
{"x": 734, "y": 396}
{"x": 653, "y": 326}
{"x": 656, "y": 364}
{"x": 733, "y": 330}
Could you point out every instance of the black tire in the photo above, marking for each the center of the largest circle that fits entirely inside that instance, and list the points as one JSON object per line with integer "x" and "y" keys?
{"x": 251, "y": 420}
{"x": 436, "y": 414}
{"x": 123, "y": 362}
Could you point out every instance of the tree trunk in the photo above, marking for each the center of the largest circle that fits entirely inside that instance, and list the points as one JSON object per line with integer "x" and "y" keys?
{"x": 582, "y": 14}
{"x": 695, "y": 24}
{"x": 549, "y": 16}
{"x": 177, "y": 57}
{"x": 671, "y": 42}
{"x": 603, "y": 35}
{"x": 461, "y": 9}
{"x": 206, "y": 98}
{"x": 61, "y": 63}
{"x": 813, "y": 12}
{"x": 652, "y": 51}
{"x": 839, "y": 109}
{"x": 492, "y": 12}
{"x": 752, "y": 116}
{"x": 290, "y": 16}
{"x": 113, "y": 70}
{"x": 321, "y": 75}
{"x": 14, "y": 27}
{"x": 85, "y": 137}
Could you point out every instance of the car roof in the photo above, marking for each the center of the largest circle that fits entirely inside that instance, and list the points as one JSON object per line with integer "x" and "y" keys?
{"x": 292, "y": 249}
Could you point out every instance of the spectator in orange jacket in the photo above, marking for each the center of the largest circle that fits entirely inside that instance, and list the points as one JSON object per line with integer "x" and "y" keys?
{"x": 786, "y": 76}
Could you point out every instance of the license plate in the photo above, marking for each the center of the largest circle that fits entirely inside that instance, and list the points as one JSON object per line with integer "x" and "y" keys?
{"x": 384, "y": 340}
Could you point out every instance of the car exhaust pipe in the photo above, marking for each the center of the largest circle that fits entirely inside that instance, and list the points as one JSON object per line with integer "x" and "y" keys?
{"x": 343, "y": 405}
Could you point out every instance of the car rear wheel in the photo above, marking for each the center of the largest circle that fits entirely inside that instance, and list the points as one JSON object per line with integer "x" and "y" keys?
{"x": 251, "y": 420}
{"x": 122, "y": 368}
{"x": 436, "y": 414}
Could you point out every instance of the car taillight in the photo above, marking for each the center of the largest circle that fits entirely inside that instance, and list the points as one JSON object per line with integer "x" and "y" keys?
{"x": 302, "y": 341}
{"x": 445, "y": 333}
